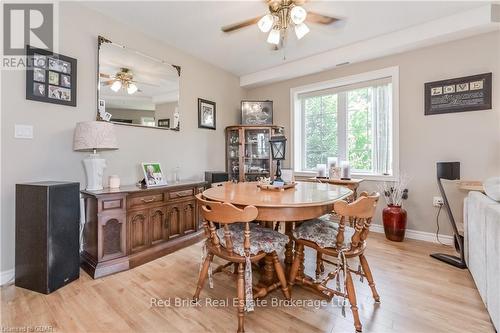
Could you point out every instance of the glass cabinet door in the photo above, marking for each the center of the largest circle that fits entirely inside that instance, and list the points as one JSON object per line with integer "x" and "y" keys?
{"x": 233, "y": 154}
{"x": 257, "y": 154}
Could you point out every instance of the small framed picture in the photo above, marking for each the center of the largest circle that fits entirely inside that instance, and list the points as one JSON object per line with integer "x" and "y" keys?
{"x": 38, "y": 74}
{"x": 39, "y": 89}
{"x": 256, "y": 112}
{"x": 65, "y": 81}
{"x": 206, "y": 114}
{"x": 50, "y": 77}
{"x": 164, "y": 122}
{"x": 53, "y": 78}
{"x": 64, "y": 67}
{"x": 153, "y": 175}
{"x": 107, "y": 116}
{"x": 59, "y": 93}
{"x": 39, "y": 61}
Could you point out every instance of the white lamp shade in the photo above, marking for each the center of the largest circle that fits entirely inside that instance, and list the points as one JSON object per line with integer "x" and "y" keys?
{"x": 90, "y": 135}
{"x": 274, "y": 37}
{"x": 132, "y": 88}
{"x": 116, "y": 86}
{"x": 301, "y": 30}
{"x": 266, "y": 23}
{"x": 298, "y": 14}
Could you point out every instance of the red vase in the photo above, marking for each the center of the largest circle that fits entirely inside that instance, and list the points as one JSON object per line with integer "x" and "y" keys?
{"x": 394, "y": 223}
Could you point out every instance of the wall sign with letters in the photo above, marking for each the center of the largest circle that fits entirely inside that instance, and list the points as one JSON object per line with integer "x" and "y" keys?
{"x": 470, "y": 93}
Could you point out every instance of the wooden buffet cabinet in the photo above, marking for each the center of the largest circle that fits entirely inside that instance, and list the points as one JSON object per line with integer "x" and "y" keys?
{"x": 127, "y": 227}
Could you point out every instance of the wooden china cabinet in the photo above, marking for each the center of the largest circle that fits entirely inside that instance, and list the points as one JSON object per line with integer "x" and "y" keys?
{"x": 129, "y": 226}
{"x": 248, "y": 153}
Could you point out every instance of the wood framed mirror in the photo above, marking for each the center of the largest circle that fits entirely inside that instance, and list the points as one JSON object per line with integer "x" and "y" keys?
{"x": 135, "y": 89}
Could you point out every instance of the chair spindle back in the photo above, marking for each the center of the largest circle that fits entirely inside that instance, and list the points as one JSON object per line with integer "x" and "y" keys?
{"x": 361, "y": 210}
{"x": 225, "y": 214}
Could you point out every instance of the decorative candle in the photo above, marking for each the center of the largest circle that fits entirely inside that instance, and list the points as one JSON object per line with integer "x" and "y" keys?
{"x": 114, "y": 181}
{"x": 321, "y": 168}
{"x": 335, "y": 172}
{"x": 331, "y": 162}
{"x": 346, "y": 170}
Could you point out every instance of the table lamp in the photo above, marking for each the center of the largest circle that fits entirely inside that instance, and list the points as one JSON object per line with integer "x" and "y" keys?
{"x": 93, "y": 136}
{"x": 278, "y": 145}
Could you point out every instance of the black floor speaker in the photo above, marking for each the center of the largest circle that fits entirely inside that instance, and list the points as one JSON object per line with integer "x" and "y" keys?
{"x": 47, "y": 235}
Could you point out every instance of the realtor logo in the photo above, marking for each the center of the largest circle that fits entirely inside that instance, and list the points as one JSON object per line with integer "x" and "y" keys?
{"x": 27, "y": 24}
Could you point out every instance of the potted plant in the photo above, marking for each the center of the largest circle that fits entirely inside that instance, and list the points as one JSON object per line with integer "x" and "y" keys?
{"x": 394, "y": 215}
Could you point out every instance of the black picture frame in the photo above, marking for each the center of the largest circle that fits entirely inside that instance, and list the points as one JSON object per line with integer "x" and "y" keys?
{"x": 264, "y": 118}
{"x": 63, "y": 73}
{"x": 164, "y": 122}
{"x": 203, "y": 104}
{"x": 457, "y": 95}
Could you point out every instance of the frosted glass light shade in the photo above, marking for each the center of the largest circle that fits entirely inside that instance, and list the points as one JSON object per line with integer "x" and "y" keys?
{"x": 298, "y": 14}
{"x": 274, "y": 37}
{"x": 266, "y": 23}
{"x": 301, "y": 30}
{"x": 132, "y": 88}
{"x": 116, "y": 86}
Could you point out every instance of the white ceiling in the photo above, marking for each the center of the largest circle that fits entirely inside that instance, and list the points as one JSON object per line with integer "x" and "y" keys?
{"x": 195, "y": 27}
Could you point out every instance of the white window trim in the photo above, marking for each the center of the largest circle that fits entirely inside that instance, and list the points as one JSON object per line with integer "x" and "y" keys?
{"x": 296, "y": 128}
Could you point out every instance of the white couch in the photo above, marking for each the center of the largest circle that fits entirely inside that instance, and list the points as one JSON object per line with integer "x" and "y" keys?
{"x": 482, "y": 249}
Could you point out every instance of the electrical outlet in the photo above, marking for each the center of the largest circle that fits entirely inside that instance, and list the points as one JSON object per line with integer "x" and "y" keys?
{"x": 437, "y": 201}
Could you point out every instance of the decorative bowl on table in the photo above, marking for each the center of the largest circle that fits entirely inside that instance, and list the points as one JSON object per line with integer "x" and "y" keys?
{"x": 267, "y": 184}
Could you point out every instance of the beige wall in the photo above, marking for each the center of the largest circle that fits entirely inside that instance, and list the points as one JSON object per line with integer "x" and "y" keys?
{"x": 473, "y": 138}
{"x": 50, "y": 156}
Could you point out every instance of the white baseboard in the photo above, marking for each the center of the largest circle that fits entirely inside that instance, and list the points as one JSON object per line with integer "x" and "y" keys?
{"x": 6, "y": 276}
{"x": 418, "y": 235}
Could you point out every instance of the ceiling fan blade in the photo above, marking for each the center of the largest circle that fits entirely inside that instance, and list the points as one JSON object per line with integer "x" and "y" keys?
{"x": 107, "y": 83}
{"x": 106, "y": 76}
{"x": 320, "y": 19}
{"x": 239, "y": 25}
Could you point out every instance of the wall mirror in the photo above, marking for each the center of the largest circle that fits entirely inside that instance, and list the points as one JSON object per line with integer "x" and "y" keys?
{"x": 136, "y": 89}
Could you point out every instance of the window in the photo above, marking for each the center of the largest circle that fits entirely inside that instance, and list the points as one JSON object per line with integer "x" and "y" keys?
{"x": 353, "y": 118}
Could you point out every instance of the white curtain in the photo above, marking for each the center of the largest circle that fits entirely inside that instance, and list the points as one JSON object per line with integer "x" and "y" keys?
{"x": 382, "y": 123}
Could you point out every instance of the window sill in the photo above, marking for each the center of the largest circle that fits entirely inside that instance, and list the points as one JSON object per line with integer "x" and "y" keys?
{"x": 368, "y": 177}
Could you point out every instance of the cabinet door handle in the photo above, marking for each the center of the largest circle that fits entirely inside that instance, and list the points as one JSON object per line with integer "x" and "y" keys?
{"x": 148, "y": 200}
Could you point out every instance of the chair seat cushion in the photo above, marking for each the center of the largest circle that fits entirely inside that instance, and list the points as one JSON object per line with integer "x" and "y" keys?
{"x": 322, "y": 232}
{"x": 261, "y": 239}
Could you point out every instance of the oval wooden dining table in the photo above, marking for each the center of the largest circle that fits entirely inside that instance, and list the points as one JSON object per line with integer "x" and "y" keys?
{"x": 291, "y": 206}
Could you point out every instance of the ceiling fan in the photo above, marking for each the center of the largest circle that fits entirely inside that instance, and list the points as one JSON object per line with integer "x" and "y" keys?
{"x": 122, "y": 79}
{"x": 282, "y": 15}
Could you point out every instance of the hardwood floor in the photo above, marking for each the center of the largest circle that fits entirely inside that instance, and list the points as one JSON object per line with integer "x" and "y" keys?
{"x": 418, "y": 294}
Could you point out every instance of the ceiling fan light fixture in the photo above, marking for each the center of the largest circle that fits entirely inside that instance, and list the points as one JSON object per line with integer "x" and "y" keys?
{"x": 301, "y": 30}
{"x": 298, "y": 14}
{"x": 131, "y": 88}
{"x": 116, "y": 86}
{"x": 266, "y": 23}
{"x": 274, "y": 37}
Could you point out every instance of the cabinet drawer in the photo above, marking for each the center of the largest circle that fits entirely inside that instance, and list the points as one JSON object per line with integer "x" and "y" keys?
{"x": 146, "y": 200}
{"x": 180, "y": 194}
{"x": 108, "y": 204}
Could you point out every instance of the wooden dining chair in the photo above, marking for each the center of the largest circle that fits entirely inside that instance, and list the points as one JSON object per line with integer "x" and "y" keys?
{"x": 340, "y": 241}
{"x": 232, "y": 237}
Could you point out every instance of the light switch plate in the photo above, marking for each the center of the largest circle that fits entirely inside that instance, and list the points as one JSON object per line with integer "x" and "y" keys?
{"x": 23, "y": 131}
